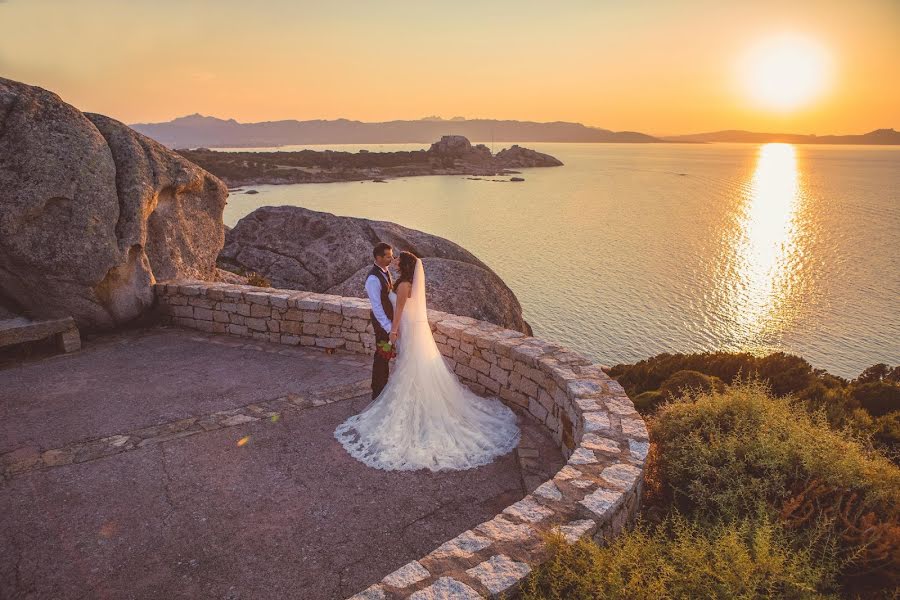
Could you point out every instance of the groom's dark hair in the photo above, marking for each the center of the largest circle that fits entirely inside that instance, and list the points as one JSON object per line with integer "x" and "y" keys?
{"x": 381, "y": 249}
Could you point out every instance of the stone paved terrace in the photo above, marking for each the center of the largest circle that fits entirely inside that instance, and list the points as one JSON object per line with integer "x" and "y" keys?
{"x": 169, "y": 463}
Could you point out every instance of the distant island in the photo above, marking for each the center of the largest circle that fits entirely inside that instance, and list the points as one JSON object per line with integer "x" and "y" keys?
{"x": 196, "y": 130}
{"x": 452, "y": 155}
{"x": 879, "y": 137}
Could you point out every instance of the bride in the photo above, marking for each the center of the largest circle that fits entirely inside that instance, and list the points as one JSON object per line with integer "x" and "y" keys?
{"x": 424, "y": 417}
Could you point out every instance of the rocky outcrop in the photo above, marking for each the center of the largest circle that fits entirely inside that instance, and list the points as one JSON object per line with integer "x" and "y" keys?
{"x": 458, "y": 147}
{"x": 451, "y": 155}
{"x": 301, "y": 249}
{"x": 516, "y": 157}
{"x": 92, "y": 212}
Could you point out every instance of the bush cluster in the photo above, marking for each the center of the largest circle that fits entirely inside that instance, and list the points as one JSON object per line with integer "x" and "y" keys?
{"x": 681, "y": 559}
{"x": 747, "y": 495}
{"x": 869, "y": 404}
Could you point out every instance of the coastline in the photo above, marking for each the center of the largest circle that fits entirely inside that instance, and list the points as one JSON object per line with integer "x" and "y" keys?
{"x": 451, "y": 155}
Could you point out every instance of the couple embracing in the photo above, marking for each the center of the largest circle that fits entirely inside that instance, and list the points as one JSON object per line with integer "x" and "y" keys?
{"x": 421, "y": 416}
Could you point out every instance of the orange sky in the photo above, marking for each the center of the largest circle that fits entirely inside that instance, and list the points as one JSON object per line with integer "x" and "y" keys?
{"x": 658, "y": 67}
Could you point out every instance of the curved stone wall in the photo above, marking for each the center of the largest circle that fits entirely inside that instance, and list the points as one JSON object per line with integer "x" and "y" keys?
{"x": 604, "y": 439}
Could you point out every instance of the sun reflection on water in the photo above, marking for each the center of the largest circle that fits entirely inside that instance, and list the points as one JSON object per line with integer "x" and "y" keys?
{"x": 760, "y": 278}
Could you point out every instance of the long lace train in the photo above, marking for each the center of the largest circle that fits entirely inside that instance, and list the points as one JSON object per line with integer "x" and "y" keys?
{"x": 424, "y": 417}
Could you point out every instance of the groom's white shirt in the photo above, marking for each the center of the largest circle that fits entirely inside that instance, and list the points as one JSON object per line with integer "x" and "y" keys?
{"x": 373, "y": 289}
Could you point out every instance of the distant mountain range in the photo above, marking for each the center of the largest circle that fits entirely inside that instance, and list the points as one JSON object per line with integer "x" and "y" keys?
{"x": 877, "y": 137}
{"x": 194, "y": 131}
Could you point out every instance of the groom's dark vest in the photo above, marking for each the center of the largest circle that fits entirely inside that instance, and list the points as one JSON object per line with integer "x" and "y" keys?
{"x": 387, "y": 285}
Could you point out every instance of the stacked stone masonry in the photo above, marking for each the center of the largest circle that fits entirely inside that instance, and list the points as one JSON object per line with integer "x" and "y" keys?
{"x": 604, "y": 439}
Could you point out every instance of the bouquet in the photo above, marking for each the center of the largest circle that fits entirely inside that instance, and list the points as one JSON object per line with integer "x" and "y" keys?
{"x": 386, "y": 350}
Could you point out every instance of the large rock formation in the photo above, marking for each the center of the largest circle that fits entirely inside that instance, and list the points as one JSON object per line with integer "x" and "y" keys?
{"x": 517, "y": 157}
{"x": 92, "y": 212}
{"x": 303, "y": 249}
{"x": 458, "y": 147}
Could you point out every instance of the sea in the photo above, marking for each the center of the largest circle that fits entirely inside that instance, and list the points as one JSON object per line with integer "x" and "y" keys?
{"x": 631, "y": 250}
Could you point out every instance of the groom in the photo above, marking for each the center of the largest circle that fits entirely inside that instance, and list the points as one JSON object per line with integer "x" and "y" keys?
{"x": 378, "y": 284}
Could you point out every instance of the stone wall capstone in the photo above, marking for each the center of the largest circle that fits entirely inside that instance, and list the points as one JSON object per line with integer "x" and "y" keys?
{"x": 597, "y": 493}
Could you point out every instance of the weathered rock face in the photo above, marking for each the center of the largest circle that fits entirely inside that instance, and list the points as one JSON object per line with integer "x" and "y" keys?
{"x": 297, "y": 248}
{"x": 458, "y": 147}
{"x": 518, "y": 157}
{"x": 92, "y": 213}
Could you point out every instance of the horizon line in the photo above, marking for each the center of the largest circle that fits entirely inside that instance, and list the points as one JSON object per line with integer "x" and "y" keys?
{"x": 464, "y": 119}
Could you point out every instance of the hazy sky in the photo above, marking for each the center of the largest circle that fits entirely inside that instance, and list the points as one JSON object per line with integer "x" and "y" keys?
{"x": 666, "y": 67}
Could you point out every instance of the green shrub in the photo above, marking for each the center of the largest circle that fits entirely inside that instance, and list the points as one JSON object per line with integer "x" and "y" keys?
{"x": 726, "y": 456}
{"x": 878, "y": 397}
{"x": 686, "y": 381}
{"x": 877, "y": 389}
{"x": 887, "y": 434}
{"x": 646, "y": 403}
{"x": 680, "y": 559}
{"x": 879, "y": 372}
{"x": 785, "y": 373}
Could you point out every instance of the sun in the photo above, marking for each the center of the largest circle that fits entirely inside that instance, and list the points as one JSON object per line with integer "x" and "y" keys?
{"x": 785, "y": 72}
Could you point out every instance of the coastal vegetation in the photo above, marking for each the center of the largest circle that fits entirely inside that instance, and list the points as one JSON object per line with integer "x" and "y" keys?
{"x": 868, "y": 405}
{"x": 765, "y": 478}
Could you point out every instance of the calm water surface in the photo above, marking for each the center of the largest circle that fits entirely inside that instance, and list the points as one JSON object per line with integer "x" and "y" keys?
{"x": 632, "y": 250}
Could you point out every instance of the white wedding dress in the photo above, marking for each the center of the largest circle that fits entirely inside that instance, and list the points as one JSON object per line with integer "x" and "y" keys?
{"x": 424, "y": 418}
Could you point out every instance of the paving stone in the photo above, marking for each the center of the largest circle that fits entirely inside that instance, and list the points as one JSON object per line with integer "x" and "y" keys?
{"x": 374, "y": 592}
{"x": 527, "y": 509}
{"x": 117, "y": 441}
{"x": 589, "y": 404}
{"x": 575, "y": 530}
{"x": 56, "y": 458}
{"x": 635, "y": 428}
{"x": 502, "y": 530}
{"x": 585, "y": 387}
{"x": 593, "y": 441}
{"x": 181, "y": 424}
{"x": 22, "y": 459}
{"x": 499, "y": 573}
{"x": 582, "y": 456}
{"x": 568, "y": 472}
{"x": 548, "y": 490}
{"x": 638, "y": 449}
{"x": 95, "y": 450}
{"x": 406, "y": 575}
{"x": 462, "y": 546}
{"x": 621, "y": 475}
{"x": 620, "y": 405}
{"x": 596, "y": 421}
{"x": 601, "y": 501}
{"x": 165, "y": 438}
{"x": 238, "y": 420}
{"x": 208, "y": 424}
{"x": 446, "y": 588}
{"x": 149, "y": 432}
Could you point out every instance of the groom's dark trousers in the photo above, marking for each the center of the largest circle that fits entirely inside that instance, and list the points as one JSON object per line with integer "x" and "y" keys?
{"x": 381, "y": 367}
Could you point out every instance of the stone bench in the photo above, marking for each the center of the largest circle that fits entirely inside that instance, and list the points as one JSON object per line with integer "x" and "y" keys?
{"x": 19, "y": 330}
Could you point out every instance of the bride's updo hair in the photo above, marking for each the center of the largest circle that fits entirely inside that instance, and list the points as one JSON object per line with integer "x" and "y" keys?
{"x": 407, "y": 267}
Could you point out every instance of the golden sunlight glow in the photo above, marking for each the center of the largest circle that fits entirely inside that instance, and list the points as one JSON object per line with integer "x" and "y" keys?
{"x": 786, "y": 72}
{"x": 760, "y": 278}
